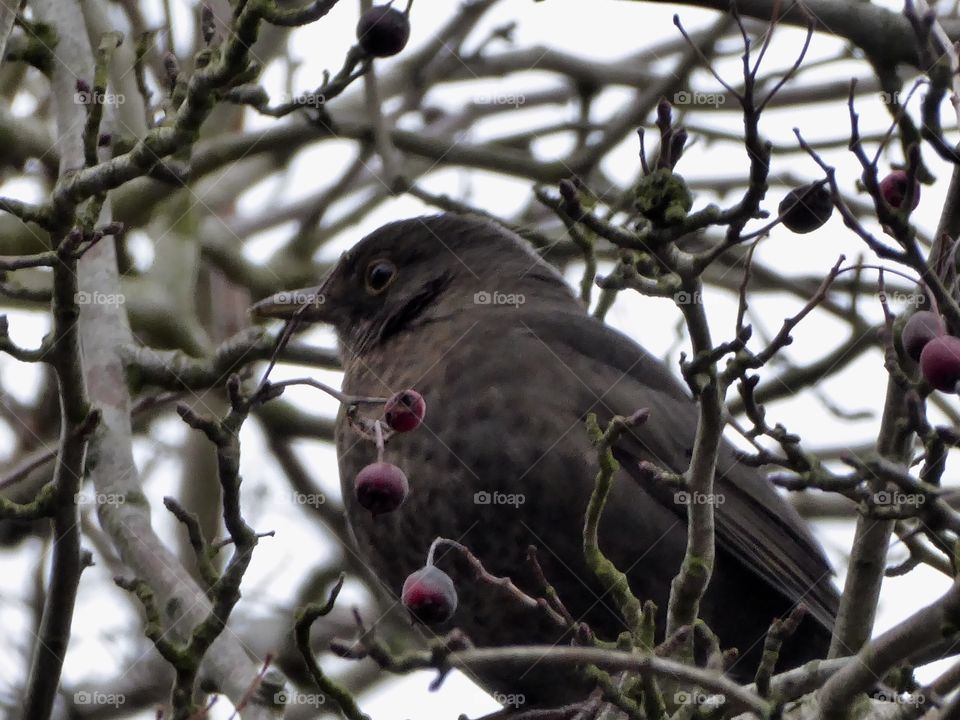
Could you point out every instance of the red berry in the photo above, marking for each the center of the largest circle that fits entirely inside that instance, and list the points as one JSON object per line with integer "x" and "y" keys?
{"x": 381, "y": 487}
{"x": 383, "y": 31}
{"x": 806, "y": 208}
{"x": 405, "y": 410}
{"x": 429, "y": 594}
{"x": 894, "y": 189}
{"x": 922, "y": 327}
{"x": 940, "y": 362}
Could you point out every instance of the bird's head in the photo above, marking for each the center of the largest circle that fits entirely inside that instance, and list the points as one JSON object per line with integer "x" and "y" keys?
{"x": 410, "y": 271}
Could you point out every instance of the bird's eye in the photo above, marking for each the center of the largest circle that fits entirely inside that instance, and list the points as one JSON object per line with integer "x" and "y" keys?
{"x": 380, "y": 273}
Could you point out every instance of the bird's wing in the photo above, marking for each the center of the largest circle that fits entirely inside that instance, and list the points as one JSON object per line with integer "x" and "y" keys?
{"x": 753, "y": 522}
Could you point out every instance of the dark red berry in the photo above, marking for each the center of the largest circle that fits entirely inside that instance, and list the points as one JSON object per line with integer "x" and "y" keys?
{"x": 383, "y": 31}
{"x": 894, "y": 189}
{"x": 922, "y": 327}
{"x": 940, "y": 362}
{"x": 381, "y": 487}
{"x": 806, "y": 208}
{"x": 405, "y": 410}
{"x": 429, "y": 594}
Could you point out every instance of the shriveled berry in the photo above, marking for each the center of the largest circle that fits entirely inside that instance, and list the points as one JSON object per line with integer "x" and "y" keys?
{"x": 381, "y": 487}
{"x": 429, "y": 594}
{"x": 383, "y": 31}
{"x": 894, "y": 189}
{"x": 405, "y": 410}
{"x": 806, "y": 208}
{"x": 940, "y": 362}
{"x": 922, "y": 327}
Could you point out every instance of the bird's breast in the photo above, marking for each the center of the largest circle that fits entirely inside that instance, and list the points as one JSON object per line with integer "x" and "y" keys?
{"x": 490, "y": 467}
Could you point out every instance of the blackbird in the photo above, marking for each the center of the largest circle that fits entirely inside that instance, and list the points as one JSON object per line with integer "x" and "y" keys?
{"x": 510, "y": 365}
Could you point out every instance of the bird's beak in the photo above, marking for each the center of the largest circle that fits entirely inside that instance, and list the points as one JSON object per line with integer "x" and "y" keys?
{"x": 307, "y": 304}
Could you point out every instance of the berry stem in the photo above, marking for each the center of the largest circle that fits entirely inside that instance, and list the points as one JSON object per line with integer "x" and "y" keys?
{"x": 506, "y": 583}
{"x": 378, "y": 439}
{"x": 892, "y": 271}
{"x": 951, "y": 263}
{"x": 288, "y": 327}
{"x": 342, "y": 397}
{"x": 433, "y": 548}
